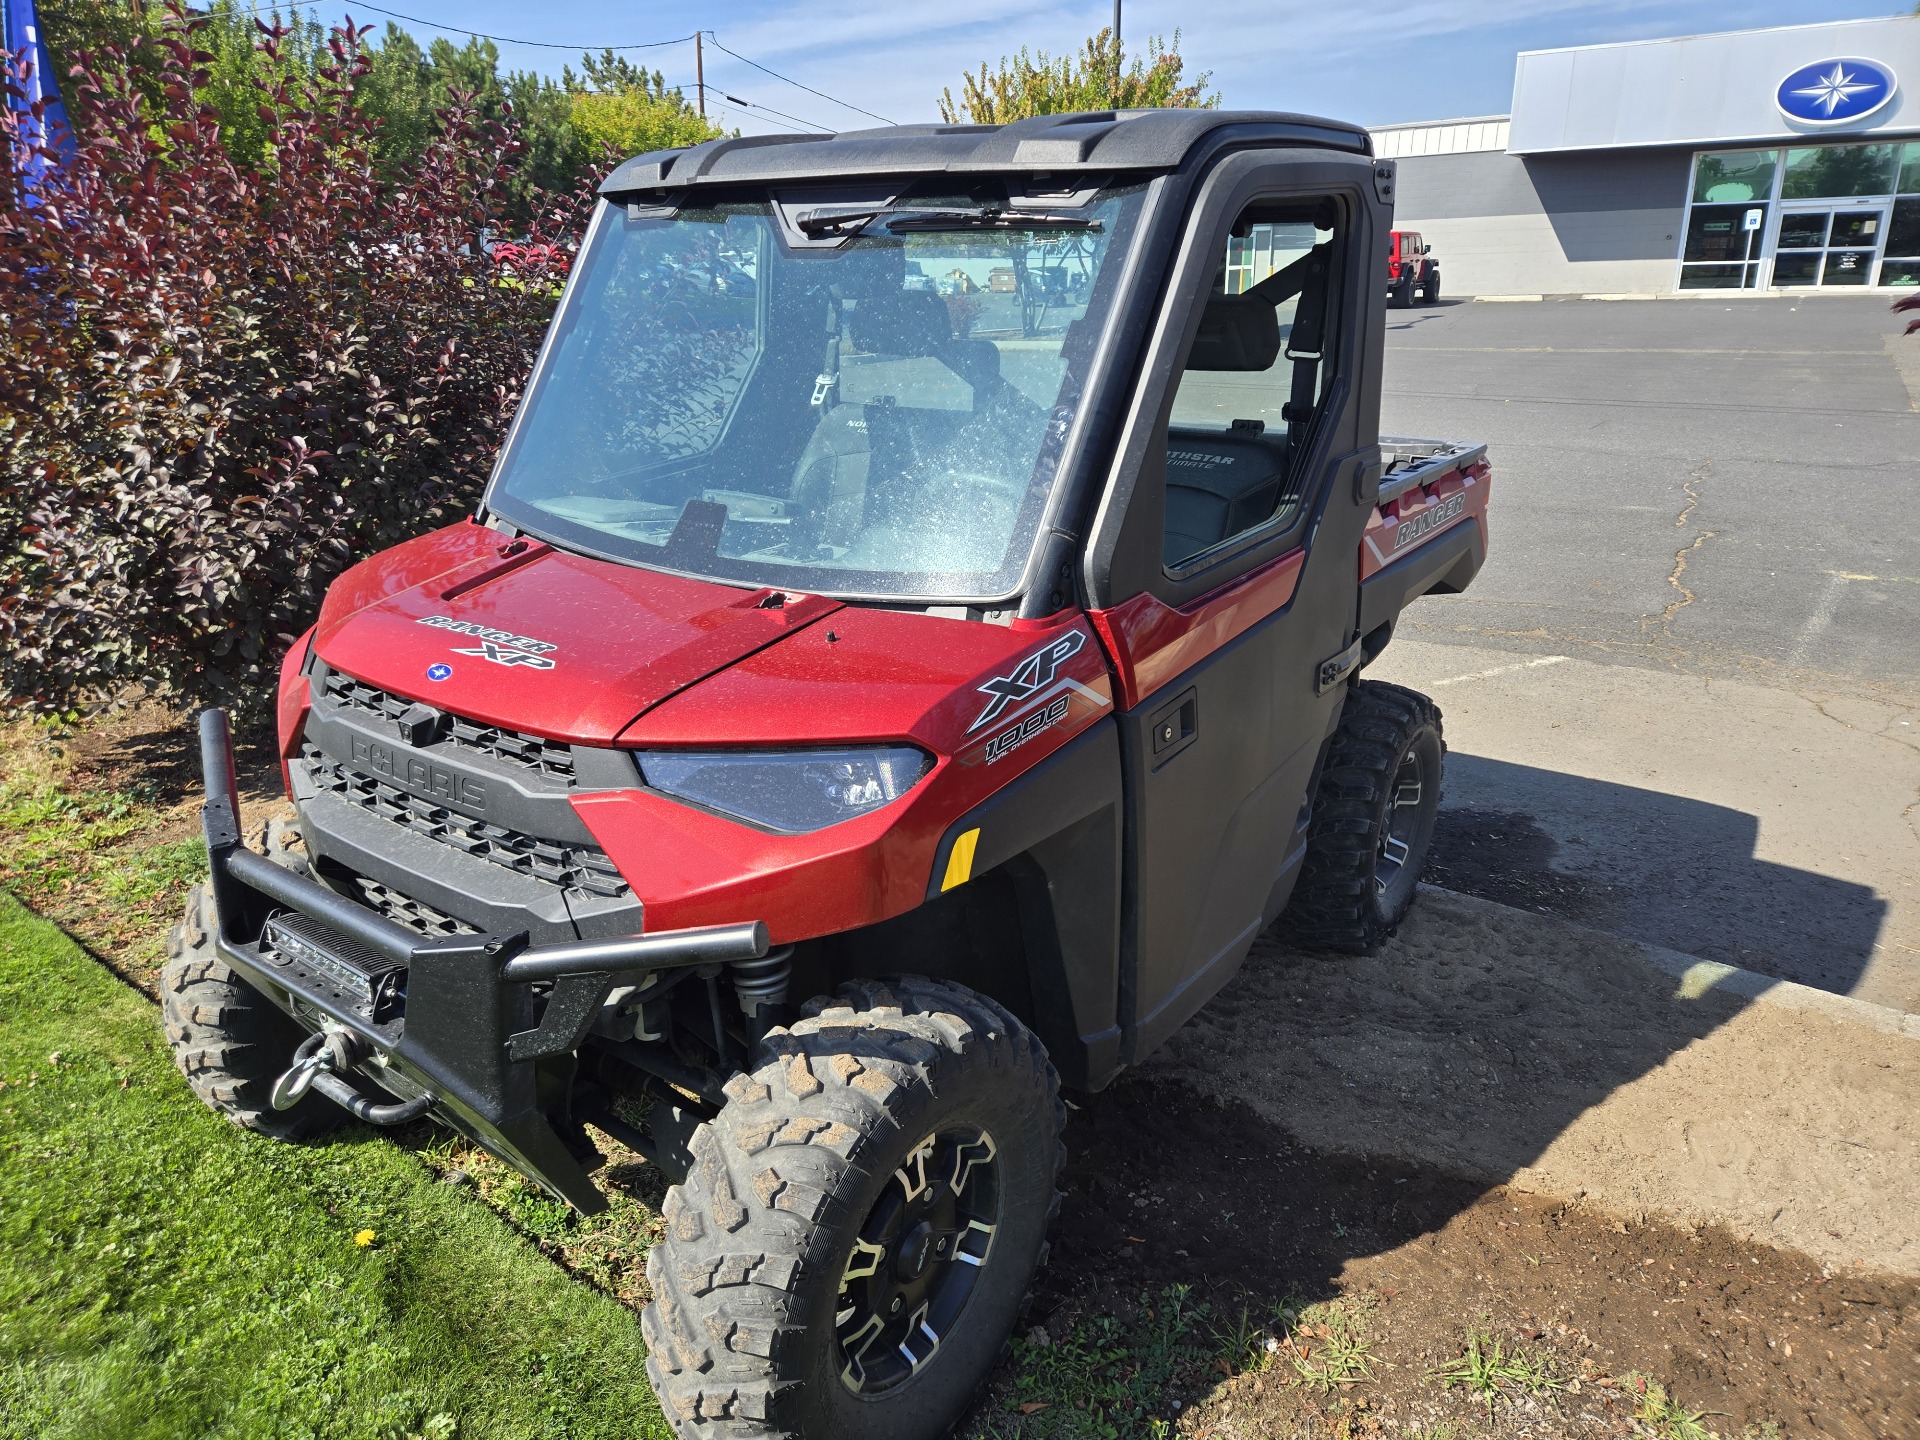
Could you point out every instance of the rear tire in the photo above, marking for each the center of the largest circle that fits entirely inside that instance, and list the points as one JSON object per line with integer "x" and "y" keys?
{"x": 798, "y": 1291}
{"x": 228, "y": 1039}
{"x": 1372, "y": 822}
{"x": 1400, "y": 296}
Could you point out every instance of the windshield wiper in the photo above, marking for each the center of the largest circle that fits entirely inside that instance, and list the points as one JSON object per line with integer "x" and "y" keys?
{"x": 817, "y": 223}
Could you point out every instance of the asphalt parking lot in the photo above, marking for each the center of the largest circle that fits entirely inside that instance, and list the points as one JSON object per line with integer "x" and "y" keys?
{"x": 1683, "y": 698}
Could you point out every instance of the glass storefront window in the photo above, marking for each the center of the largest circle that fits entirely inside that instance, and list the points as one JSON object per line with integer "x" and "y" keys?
{"x": 1910, "y": 168}
{"x": 1823, "y": 218}
{"x": 1799, "y": 267}
{"x": 1835, "y": 171}
{"x": 1735, "y": 175}
{"x": 1719, "y": 232}
{"x": 1717, "y": 277}
{"x": 1804, "y": 232}
{"x": 1903, "y": 233}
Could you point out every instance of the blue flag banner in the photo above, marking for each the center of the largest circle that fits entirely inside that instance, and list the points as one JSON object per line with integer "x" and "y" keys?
{"x": 20, "y": 33}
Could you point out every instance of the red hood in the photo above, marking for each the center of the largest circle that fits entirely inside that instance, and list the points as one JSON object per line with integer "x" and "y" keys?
{"x": 521, "y": 635}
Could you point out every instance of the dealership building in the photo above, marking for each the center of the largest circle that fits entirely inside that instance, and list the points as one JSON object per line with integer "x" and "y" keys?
{"x": 1782, "y": 160}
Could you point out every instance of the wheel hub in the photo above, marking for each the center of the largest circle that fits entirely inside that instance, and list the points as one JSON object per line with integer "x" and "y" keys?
{"x": 914, "y": 1250}
{"x": 916, "y": 1260}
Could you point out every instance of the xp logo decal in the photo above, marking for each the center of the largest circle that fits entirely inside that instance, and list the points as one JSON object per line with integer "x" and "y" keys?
{"x": 1034, "y": 698}
{"x": 1835, "y": 92}
{"x": 1031, "y": 676}
{"x": 502, "y": 647}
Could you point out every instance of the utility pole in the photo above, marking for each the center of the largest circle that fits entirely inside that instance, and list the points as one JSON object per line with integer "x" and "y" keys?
{"x": 1116, "y": 31}
{"x": 700, "y": 69}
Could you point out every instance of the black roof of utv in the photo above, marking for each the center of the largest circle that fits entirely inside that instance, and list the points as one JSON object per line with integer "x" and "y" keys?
{"x": 1097, "y": 142}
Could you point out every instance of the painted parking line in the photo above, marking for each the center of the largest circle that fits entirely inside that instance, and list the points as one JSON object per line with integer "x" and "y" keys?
{"x": 1502, "y": 670}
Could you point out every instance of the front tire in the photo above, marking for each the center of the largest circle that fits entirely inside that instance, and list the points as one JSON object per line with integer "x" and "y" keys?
{"x": 1372, "y": 823}
{"x": 854, "y": 1241}
{"x": 228, "y": 1039}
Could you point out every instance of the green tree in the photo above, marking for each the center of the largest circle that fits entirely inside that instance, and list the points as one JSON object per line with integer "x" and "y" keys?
{"x": 396, "y": 88}
{"x": 240, "y": 70}
{"x": 1098, "y": 78}
{"x": 638, "y": 118}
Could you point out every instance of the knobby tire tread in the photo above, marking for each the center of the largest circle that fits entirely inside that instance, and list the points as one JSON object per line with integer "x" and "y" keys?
{"x": 824, "y": 1095}
{"x": 1333, "y": 906}
{"x": 229, "y": 1041}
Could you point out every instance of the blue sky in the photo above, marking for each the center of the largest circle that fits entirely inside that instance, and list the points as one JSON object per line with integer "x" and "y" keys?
{"x": 1380, "y": 62}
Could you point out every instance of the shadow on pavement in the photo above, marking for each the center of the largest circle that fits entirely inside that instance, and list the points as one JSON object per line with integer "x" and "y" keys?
{"x": 1655, "y": 867}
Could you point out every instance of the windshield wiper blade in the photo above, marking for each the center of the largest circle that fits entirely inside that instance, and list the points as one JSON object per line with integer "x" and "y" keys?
{"x": 818, "y": 223}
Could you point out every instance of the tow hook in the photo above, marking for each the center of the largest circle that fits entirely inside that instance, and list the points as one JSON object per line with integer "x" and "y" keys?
{"x": 318, "y": 1064}
{"x": 325, "y": 1050}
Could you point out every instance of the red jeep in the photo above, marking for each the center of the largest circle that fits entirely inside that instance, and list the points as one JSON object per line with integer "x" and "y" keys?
{"x": 908, "y": 649}
{"x": 1412, "y": 272}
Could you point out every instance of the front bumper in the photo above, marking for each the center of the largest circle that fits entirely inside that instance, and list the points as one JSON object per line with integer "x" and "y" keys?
{"x": 455, "y": 1022}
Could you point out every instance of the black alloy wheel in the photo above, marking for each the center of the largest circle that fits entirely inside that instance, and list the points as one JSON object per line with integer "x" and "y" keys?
{"x": 1406, "y": 829}
{"x": 918, "y": 1259}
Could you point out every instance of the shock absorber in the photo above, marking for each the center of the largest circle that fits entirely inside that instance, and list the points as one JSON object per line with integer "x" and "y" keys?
{"x": 762, "y": 987}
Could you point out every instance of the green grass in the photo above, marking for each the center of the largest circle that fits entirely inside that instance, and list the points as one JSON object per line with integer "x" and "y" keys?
{"x": 169, "y": 1276}
{"x": 1329, "y": 1347}
{"x": 1487, "y": 1368}
{"x": 1665, "y": 1417}
{"x": 1108, "y": 1377}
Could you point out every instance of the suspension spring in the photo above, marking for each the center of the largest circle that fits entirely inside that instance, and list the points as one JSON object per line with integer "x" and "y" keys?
{"x": 761, "y": 986}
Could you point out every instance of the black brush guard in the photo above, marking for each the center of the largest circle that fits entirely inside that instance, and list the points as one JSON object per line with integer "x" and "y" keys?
{"x": 467, "y": 1043}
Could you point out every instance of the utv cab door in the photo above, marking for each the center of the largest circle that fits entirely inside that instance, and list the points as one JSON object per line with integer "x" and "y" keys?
{"x": 1222, "y": 563}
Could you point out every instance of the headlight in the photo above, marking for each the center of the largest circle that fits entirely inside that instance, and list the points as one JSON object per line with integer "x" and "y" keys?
{"x": 792, "y": 791}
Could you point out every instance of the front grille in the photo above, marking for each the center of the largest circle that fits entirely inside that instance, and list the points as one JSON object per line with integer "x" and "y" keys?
{"x": 557, "y": 862}
{"x": 420, "y": 918}
{"x": 530, "y": 752}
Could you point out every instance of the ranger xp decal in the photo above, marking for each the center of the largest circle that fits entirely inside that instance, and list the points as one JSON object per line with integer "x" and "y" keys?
{"x": 1031, "y": 676}
{"x": 503, "y": 647}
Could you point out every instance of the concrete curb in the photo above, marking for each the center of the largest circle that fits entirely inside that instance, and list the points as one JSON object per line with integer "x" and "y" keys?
{"x": 1697, "y": 977}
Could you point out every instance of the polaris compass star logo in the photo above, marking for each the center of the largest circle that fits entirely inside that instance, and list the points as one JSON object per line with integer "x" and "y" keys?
{"x": 1835, "y": 92}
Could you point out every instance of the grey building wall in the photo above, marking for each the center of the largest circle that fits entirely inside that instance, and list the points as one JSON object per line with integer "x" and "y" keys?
{"x": 1605, "y": 222}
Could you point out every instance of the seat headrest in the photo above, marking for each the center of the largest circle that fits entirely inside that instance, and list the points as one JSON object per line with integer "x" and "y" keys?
{"x": 908, "y": 322}
{"x": 1237, "y": 332}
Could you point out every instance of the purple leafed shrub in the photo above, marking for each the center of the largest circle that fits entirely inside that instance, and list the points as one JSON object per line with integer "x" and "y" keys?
{"x": 222, "y": 383}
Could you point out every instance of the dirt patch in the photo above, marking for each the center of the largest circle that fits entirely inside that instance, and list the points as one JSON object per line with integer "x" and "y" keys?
{"x": 100, "y": 826}
{"x": 1508, "y": 859}
{"x": 1518, "y": 1048}
{"x": 1165, "y": 1188}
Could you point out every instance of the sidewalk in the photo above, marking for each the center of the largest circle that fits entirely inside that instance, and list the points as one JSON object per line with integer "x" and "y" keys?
{"x": 1772, "y": 828}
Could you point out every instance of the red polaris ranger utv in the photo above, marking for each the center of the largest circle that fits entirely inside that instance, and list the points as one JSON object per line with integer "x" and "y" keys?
{"x": 907, "y": 651}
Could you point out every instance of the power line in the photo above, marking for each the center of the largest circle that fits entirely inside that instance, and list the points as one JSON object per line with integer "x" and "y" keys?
{"x": 791, "y": 81}
{"x": 748, "y": 104}
{"x": 555, "y": 45}
{"x": 458, "y": 30}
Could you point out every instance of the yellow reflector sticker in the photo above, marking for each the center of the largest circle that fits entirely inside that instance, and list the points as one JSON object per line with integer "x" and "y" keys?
{"x": 960, "y": 862}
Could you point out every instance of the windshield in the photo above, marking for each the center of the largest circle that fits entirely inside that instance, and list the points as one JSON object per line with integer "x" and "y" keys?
{"x": 725, "y": 396}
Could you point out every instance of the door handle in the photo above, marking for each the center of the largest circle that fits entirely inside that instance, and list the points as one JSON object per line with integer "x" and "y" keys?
{"x": 1173, "y": 727}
